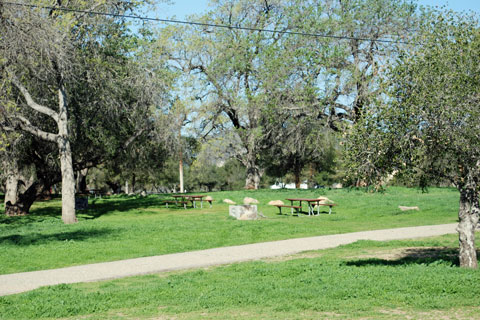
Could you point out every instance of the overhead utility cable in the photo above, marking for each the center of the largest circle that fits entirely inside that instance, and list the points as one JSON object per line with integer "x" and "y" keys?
{"x": 115, "y": 15}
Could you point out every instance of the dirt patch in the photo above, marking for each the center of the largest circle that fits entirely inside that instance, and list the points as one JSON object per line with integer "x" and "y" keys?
{"x": 409, "y": 252}
{"x": 452, "y": 314}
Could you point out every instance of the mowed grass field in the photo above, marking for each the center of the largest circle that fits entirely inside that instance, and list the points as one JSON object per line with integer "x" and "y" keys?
{"x": 414, "y": 279}
{"x": 409, "y": 279}
{"x": 128, "y": 227}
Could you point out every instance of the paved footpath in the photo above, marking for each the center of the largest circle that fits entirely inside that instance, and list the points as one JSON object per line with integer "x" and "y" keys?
{"x": 21, "y": 282}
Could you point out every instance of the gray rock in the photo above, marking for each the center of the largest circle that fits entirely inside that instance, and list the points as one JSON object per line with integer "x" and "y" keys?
{"x": 245, "y": 212}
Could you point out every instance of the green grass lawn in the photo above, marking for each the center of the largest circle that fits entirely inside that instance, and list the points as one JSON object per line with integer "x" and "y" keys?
{"x": 128, "y": 227}
{"x": 414, "y": 279}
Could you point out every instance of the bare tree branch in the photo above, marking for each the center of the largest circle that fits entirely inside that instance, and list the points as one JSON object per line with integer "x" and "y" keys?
{"x": 25, "y": 125}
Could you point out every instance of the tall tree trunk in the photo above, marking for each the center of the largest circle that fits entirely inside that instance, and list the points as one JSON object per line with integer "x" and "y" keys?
{"x": 297, "y": 171}
{"x": 180, "y": 160}
{"x": 180, "y": 172}
{"x": 252, "y": 169}
{"x": 68, "y": 176}
{"x": 253, "y": 174}
{"x": 468, "y": 215}
{"x": 62, "y": 140}
{"x": 134, "y": 181}
{"x": 11, "y": 185}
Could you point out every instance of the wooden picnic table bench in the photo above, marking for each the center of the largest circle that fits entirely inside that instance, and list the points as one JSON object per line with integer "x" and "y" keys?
{"x": 96, "y": 193}
{"x": 280, "y": 206}
{"x": 311, "y": 203}
{"x": 184, "y": 198}
{"x": 209, "y": 201}
{"x": 176, "y": 202}
{"x": 330, "y": 205}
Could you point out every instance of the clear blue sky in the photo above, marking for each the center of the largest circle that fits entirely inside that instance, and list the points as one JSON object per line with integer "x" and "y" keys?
{"x": 182, "y": 8}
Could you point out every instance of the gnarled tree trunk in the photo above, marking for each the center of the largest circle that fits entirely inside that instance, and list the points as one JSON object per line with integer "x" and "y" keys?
{"x": 62, "y": 140}
{"x": 468, "y": 215}
{"x": 11, "y": 185}
{"x": 25, "y": 200}
{"x": 253, "y": 173}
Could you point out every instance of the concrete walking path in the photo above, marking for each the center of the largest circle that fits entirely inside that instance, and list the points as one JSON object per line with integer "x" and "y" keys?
{"x": 21, "y": 282}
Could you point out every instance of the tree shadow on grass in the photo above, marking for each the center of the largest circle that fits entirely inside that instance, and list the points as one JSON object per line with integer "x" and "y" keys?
{"x": 38, "y": 238}
{"x": 413, "y": 256}
{"x": 96, "y": 209}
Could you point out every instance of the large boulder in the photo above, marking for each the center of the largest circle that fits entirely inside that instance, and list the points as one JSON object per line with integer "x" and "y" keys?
{"x": 324, "y": 200}
{"x": 245, "y": 212}
{"x": 208, "y": 198}
{"x": 276, "y": 203}
{"x": 248, "y": 200}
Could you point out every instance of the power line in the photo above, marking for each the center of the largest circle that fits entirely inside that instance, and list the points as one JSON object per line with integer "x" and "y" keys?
{"x": 317, "y": 35}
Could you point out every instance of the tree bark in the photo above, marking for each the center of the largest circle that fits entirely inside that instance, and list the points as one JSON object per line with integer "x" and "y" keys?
{"x": 11, "y": 185}
{"x": 180, "y": 173}
{"x": 253, "y": 174}
{"x": 68, "y": 176}
{"x": 134, "y": 181}
{"x": 62, "y": 140}
{"x": 25, "y": 200}
{"x": 297, "y": 171}
{"x": 468, "y": 215}
{"x": 180, "y": 160}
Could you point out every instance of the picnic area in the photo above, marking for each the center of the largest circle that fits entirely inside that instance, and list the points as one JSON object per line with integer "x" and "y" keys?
{"x": 128, "y": 227}
{"x": 232, "y": 159}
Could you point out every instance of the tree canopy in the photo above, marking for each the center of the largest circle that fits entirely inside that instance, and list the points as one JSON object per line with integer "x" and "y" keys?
{"x": 427, "y": 120}
{"x": 80, "y": 81}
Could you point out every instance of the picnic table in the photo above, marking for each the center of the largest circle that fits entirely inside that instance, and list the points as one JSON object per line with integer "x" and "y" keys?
{"x": 95, "y": 192}
{"x": 184, "y": 198}
{"x": 310, "y": 203}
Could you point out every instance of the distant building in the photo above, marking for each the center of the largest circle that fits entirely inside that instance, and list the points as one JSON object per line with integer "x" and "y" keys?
{"x": 279, "y": 185}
